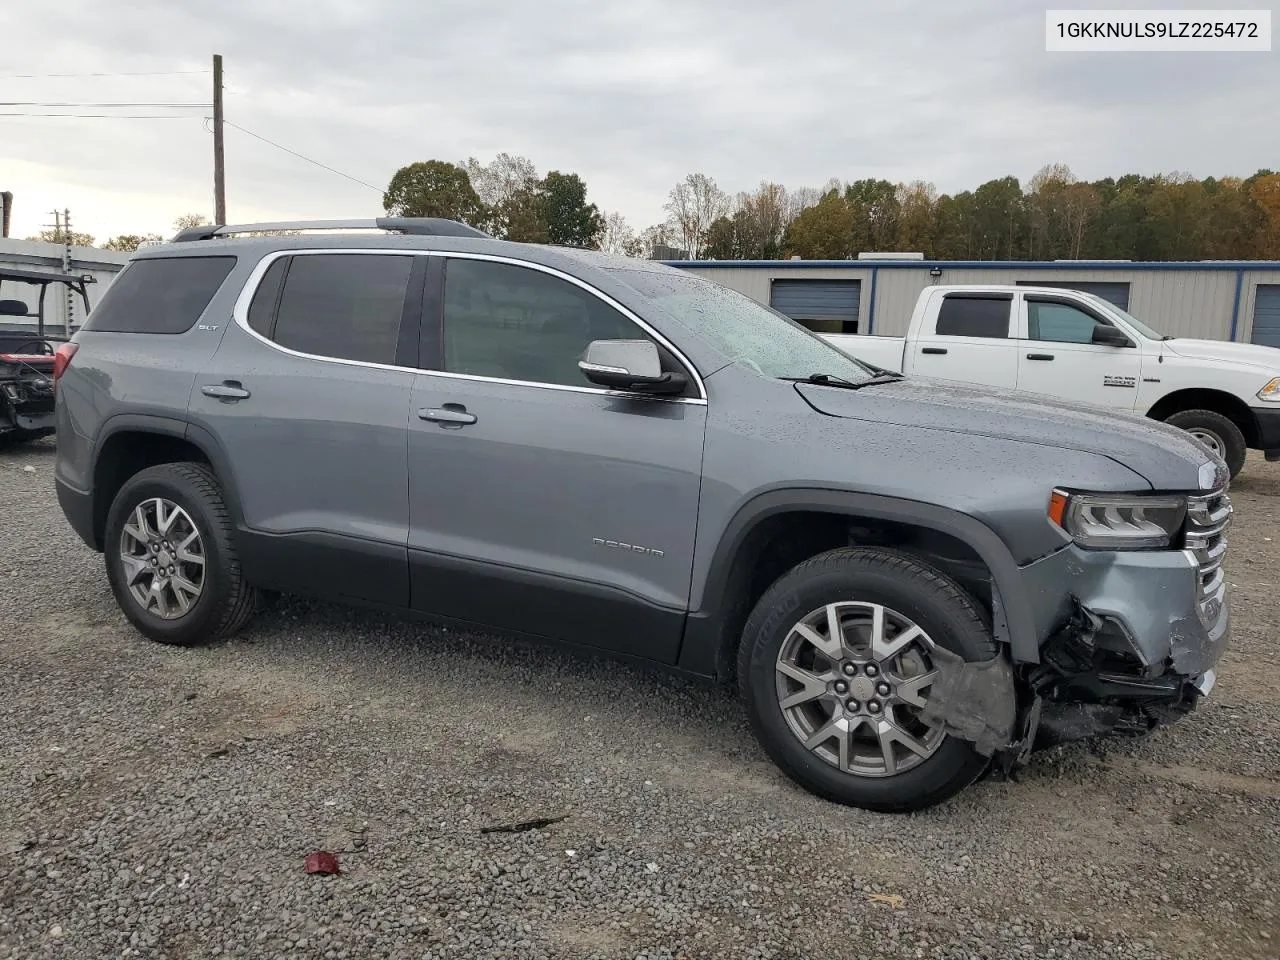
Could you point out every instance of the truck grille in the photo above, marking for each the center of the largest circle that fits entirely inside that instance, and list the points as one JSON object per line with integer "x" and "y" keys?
{"x": 1208, "y": 519}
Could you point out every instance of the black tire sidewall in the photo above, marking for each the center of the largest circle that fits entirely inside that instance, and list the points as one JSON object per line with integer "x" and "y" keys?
{"x": 203, "y": 618}
{"x": 950, "y": 769}
{"x": 1234, "y": 446}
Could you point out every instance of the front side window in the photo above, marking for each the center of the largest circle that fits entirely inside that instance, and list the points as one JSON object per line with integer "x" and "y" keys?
{"x": 973, "y": 316}
{"x": 342, "y": 305}
{"x": 1059, "y": 322}
{"x": 743, "y": 331}
{"x": 515, "y": 323}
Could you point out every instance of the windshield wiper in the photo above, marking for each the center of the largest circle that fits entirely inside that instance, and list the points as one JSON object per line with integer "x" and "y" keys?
{"x": 830, "y": 380}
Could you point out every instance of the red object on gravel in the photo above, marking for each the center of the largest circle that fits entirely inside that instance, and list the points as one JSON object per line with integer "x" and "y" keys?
{"x": 322, "y": 861}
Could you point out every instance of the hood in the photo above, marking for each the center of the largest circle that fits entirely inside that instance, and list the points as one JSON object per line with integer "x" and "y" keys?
{"x": 1249, "y": 353}
{"x": 1164, "y": 456}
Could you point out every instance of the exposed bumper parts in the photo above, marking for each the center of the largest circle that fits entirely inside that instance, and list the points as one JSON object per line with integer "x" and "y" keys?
{"x": 1086, "y": 690}
{"x": 1133, "y": 637}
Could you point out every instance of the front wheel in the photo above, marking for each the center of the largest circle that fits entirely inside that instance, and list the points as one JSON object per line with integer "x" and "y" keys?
{"x": 1216, "y": 432}
{"x": 835, "y": 666}
{"x": 170, "y": 558}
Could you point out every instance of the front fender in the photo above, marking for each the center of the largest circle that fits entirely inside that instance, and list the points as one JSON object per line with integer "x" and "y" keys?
{"x": 706, "y": 643}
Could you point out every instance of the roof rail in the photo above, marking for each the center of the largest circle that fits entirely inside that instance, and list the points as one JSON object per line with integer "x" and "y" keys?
{"x": 417, "y": 226}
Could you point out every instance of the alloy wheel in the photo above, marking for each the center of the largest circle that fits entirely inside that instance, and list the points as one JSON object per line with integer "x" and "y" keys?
{"x": 851, "y": 679}
{"x": 163, "y": 557}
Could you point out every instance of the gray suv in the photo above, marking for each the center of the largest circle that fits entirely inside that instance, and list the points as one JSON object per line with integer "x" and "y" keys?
{"x": 909, "y": 583}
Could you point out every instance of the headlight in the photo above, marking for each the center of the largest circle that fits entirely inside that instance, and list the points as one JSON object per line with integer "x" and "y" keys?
{"x": 1125, "y": 521}
{"x": 1271, "y": 391}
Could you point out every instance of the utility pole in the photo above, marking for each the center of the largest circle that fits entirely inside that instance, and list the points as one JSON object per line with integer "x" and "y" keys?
{"x": 219, "y": 171}
{"x": 69, "y": 309}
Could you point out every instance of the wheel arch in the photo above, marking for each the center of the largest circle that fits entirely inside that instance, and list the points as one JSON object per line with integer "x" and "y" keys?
{"x": 733, "y": 582}
{"x": 1207, "y": 398}
{"x": 129, "y": 443}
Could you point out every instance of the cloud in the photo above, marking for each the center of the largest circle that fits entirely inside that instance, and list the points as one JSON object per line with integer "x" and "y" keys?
{"x": 631, "y": 96}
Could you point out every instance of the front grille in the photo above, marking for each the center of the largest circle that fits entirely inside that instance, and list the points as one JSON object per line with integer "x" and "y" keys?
{"x": 1208, "y": 520}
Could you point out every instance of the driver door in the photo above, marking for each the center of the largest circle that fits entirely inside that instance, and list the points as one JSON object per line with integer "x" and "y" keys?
{"x": 539, "y": 502}
{"x": 1057, "y": 356}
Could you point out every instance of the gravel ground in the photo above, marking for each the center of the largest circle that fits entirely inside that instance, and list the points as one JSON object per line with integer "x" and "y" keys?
{"x": 160, "y": 802}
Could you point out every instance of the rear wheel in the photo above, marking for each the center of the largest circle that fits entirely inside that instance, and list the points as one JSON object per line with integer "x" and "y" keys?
{"x": 835, "y": 665}
{"x": 1220, "y": 434}
{"x": 170, "y": 558}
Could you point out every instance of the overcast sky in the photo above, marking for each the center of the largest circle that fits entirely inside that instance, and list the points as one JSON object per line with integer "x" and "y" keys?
{"x": 631, "y": 95}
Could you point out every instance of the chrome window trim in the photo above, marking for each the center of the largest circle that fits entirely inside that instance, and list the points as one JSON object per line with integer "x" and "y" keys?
{"x": 240, "y": 315}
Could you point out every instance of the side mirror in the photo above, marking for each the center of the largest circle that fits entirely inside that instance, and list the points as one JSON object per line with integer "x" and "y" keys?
{"x": 631, "y": 365}
{"x": 1109, "y": 336}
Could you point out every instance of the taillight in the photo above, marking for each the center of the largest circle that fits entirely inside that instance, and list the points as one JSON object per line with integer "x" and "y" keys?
{"x": 62, "y": 359}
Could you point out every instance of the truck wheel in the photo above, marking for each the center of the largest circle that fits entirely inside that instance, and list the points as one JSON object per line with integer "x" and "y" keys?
{"x": 1216, "y": 432}
{"x": 835, "y": 664}
{"x": 170, "y": 558}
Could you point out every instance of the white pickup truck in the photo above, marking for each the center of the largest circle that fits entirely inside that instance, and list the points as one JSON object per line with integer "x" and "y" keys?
{"x": 1077, "y": 346}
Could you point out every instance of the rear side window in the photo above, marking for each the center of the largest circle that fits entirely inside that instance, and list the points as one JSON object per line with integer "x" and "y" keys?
{"x": 165, "y": 295}
{"x": 341, "y": 305}
{"x": 262, "y": 310}
{"x": 974, "y": 317}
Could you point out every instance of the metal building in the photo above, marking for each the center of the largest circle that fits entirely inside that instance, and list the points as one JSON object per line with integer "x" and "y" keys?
{"x": 1212, "y": 300}
{"x": 40, "y": 257}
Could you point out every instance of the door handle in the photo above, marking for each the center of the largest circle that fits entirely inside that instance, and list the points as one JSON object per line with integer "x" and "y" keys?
{"x": 937, "y": 350}
{"x": 448, "y": 415}
{"x": 228, "y": 391}
{"x": 1039, "y": 356}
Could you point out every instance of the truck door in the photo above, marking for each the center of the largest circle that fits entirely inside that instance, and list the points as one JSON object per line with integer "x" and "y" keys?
{"x": 966, "y": 337}
{"x": 1057, "y": 355}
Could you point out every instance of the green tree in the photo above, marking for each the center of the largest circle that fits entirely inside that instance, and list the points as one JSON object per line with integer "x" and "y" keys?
{"x": 955, "y": 227}
{"x": 874, "y": 205}
{"x": 824, "y": 231}
{"x": 61, "y": 236}
{"x": 999, "y": 219}
{"x": 129, "y": 242}
{"x": 571, "y": 221}
{"x": 721, "y": 240}
{"x": 434, "y": 188}
{"x": 1265, "y": 193}
{"x": 916, "y": 204}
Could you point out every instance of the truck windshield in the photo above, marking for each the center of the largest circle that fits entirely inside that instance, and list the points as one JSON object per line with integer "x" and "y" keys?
{"x": 1137, "y": 324}
{"x": 745, "y": 331}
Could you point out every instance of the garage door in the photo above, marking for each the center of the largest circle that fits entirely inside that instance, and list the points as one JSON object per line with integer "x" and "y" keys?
{"x": 1266, "y": 315}
{"x": 1117, "y": 293}
{"x": 825, "y": 306}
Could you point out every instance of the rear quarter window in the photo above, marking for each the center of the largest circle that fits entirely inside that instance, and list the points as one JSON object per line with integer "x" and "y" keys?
{"x": 162, "y": 295}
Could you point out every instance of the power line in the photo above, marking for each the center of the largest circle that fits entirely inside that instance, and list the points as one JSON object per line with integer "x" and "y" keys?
{"x": 103, "y": 116}
{"x": 162, "y": 73}
{"x": 81, "y": 103}
{"x": 300, "y": 156}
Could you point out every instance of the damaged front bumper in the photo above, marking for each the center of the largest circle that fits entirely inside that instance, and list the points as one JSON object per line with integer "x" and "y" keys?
{"x": 1132, "y": 638}
{"x": 1129, "y": 640}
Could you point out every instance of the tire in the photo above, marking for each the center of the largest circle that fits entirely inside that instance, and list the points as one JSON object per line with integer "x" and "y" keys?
{"x": 910, "y": 591}
{"x": 1215, "y": 431}
{"x": 224, "y": 601}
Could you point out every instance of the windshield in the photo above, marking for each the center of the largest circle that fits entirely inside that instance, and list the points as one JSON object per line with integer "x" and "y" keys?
{"x": 746, "y": 332}
{"x": 1138, "y": 325}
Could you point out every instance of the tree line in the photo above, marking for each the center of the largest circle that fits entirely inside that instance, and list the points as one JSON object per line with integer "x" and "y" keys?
{"x": 1052, "y": 216}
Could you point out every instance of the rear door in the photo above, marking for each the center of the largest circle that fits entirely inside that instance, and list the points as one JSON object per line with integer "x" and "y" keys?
{"x": 967, "y": 337}
{"x": 540, "y": 502}
{"x": 308, "y": 398}
{"x": 1057, "y": 358}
